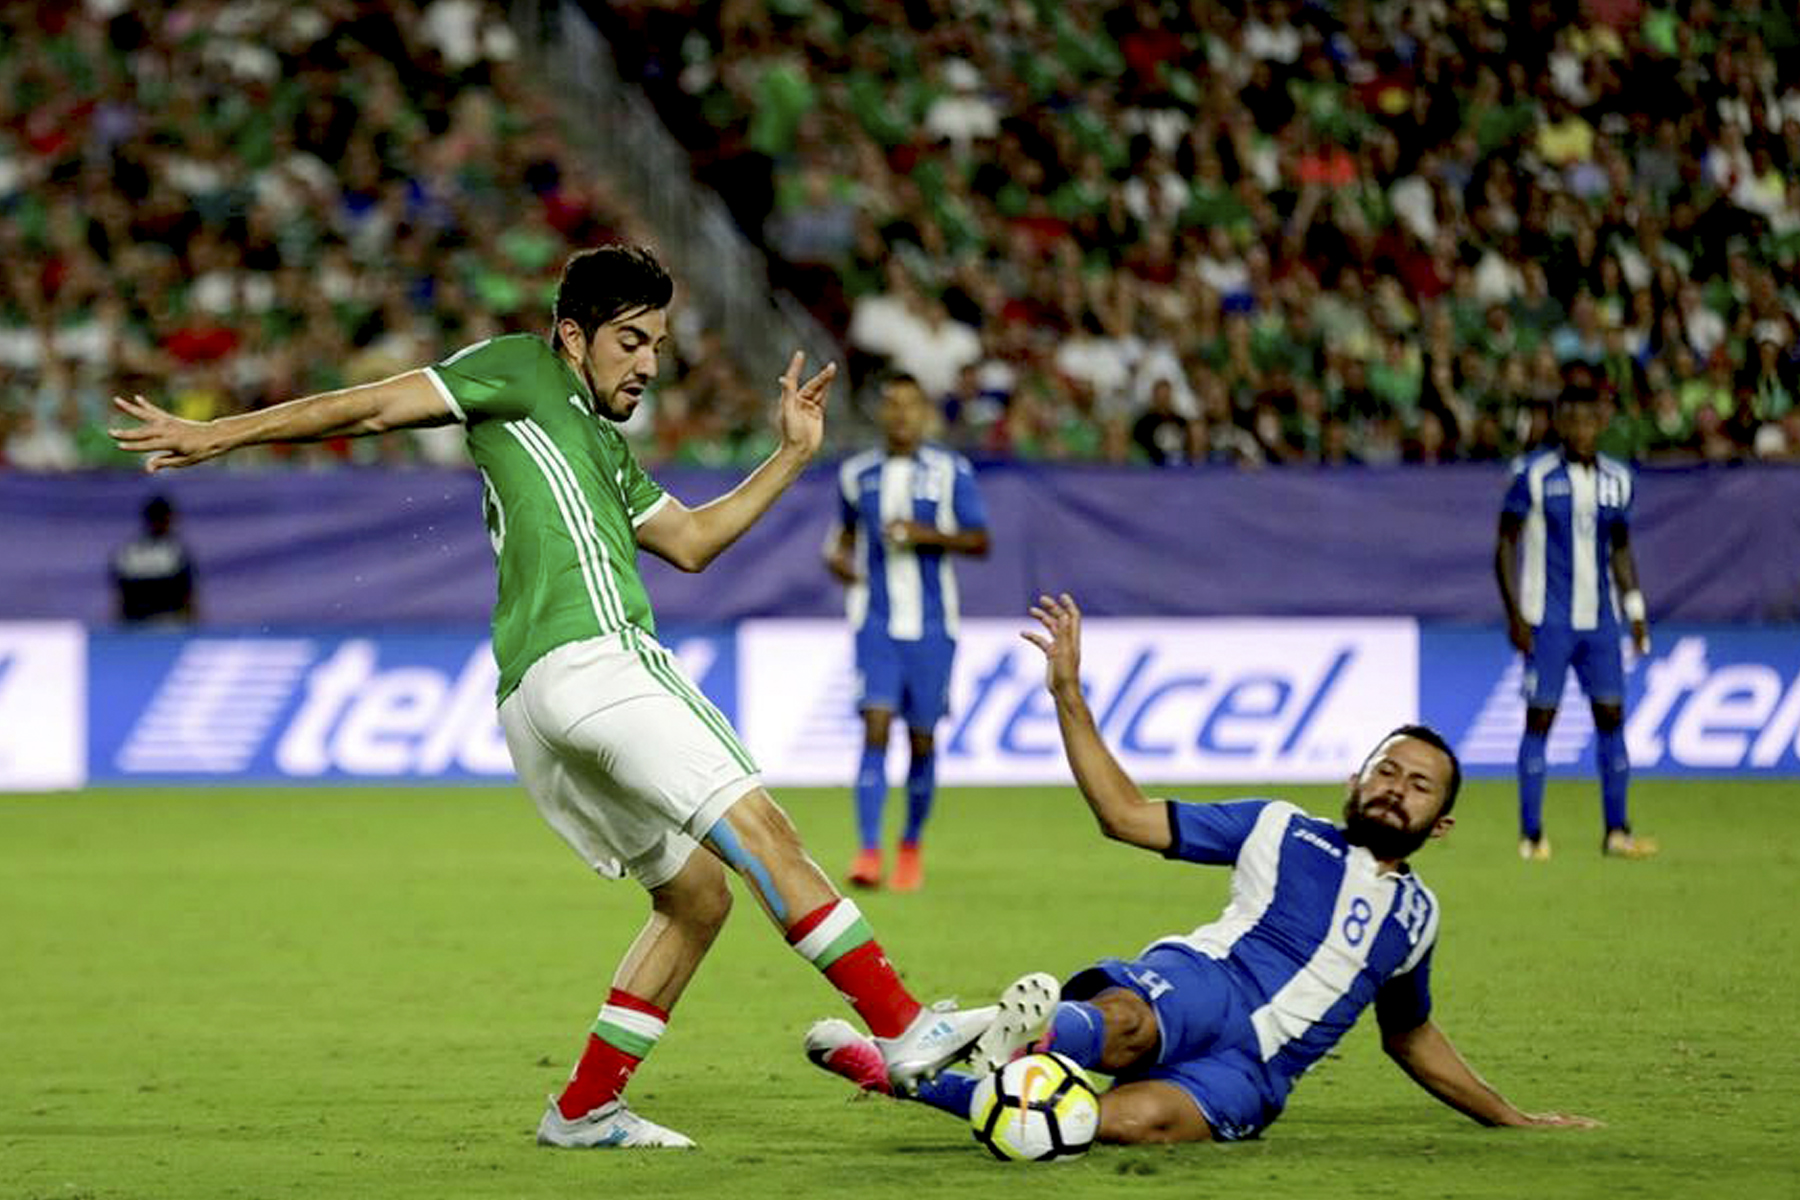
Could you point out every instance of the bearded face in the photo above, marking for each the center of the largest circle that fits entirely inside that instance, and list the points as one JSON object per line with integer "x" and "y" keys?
{"x": 1381, "y": 826}
{"x": 1396, "y": 803}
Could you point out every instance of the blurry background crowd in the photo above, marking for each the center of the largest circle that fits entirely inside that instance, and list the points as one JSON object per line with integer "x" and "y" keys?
{"x": 1336, "y": 232}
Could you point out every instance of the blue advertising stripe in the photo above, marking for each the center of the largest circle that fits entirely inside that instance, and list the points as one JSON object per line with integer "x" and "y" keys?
{"x": 328, "y": 707}
{"x": 1707, "y": 700}
{"x": 337, "y": 707}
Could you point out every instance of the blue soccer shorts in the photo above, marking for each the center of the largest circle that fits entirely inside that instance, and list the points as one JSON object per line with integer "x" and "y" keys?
{"x": 1208, "y": 1049}
{"x": 1594, "y": 653}
{"x": 908, "y": 678}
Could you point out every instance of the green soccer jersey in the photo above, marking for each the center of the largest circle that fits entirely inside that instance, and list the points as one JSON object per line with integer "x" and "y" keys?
{"x": 563, "y": 497}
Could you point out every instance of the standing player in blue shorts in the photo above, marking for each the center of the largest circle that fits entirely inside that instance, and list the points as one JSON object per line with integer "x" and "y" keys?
{"x": 1564, "y": 544}
{"x": 904, "y": 510}
{"x": 1205, "y": 1033}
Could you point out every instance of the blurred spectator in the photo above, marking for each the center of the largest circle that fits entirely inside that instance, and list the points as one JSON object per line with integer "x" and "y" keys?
{"x": 1162, "y": 435}
{"x": 1309, "y": 185}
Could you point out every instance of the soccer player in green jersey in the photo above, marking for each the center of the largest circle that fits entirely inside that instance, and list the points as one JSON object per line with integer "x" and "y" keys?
{"x": 622, "y": 754}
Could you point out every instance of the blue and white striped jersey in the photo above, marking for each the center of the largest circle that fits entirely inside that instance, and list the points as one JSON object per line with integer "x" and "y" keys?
{"x": 1315, "y": 930}
{"x": 1569, "y": 512}
{"x": 908, "y": 591}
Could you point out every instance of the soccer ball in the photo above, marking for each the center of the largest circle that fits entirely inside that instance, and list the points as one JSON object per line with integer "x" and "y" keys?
{"x": 1038, "y": 1108}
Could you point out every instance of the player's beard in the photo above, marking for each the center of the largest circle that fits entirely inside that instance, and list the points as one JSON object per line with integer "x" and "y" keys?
{"x": 1389, "y": 843}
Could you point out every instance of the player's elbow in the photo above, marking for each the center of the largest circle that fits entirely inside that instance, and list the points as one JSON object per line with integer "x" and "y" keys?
{"x": 1132, "y": 823}
{"x": 1402, "y": 1045}
{"x": 691, "y": 559}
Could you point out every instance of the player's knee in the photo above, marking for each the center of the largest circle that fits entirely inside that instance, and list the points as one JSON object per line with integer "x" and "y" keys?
{"x": 1133, "y": 1121}
{"x": 1608, "y": 717}
{"x": 699, "y": 898}
{"x": 1539, "y": 720}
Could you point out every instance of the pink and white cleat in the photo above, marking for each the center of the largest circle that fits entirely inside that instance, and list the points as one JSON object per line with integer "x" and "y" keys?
{"x": 836, "y": 1046}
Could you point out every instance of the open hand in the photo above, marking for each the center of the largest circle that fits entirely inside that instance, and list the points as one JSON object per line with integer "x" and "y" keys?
{"x": 803, "y": 406}
{"x": 1061, "y": 619}
{"x": 169, "y": 440}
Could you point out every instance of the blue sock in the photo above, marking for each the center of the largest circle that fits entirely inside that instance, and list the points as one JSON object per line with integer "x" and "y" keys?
{"x": 1615, "y": 776}
{"x": 871, "y": 795}
{"x": 1531, "y": 785}
{"x": 921, "y": 783}
{"x": 1078, "y": 1030}
{"x": 951, "y": 1091}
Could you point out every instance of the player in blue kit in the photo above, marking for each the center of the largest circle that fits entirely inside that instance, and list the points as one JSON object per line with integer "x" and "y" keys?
{"x": 1563, "y": 549}
{"x": 904, "y": 510}
{"x": 1206, "y": 1033}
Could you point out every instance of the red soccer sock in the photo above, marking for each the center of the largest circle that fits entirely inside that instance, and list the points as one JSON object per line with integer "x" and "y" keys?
{"x": 836, "y": 939}
{"x": 624, "y": 1034}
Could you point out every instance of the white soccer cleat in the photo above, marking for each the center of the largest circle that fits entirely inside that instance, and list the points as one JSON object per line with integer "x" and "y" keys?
{"x": 937, "y": 1037}
{"x": 612, "y": 1126}
{"x": 1024, "y": 1009}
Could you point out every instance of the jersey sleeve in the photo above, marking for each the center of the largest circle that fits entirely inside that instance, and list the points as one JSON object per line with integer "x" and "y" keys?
{"x": 965, "y": 498}
{"x": 1404, "y": 1001}
{"x": 1518, "y": 492}
{"x": 1211, "y": 833}
{"x": 643, "y": 495}
{"x": 500, "y": 379}
{"x": 846, "y": 497}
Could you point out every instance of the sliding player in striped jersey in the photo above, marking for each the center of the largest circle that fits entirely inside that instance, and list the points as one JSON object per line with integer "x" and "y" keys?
{"x": 1564, "y": 542}
{"x": 622, "y": 754}
{"x": 1206, "y": 1033}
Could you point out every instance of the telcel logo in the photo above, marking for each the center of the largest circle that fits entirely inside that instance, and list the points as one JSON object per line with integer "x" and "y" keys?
{"x": 1195, "y": 700}
{"x": 400, "y": 721}
{"x": 1150, "y": 710}
{"x": 1742, "y": 714}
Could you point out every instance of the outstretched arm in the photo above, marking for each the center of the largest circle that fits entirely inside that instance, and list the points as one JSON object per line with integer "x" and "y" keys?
{"x": 690, "y": 538}
{"x": 1124, "y": 812}
{"x": 402, "y": 402}
{"x": 1427, "y": 1055}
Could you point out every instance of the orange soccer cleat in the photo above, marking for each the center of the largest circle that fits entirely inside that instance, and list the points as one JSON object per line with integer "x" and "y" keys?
{"x": 865, "y": 872}
{"x": 909, "y": 869}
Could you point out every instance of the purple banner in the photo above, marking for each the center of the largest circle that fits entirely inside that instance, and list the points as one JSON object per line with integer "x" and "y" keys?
{"x": 374, "y": 546}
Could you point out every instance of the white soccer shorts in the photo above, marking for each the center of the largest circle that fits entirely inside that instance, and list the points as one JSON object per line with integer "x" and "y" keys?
{"x": 625, "y": 757}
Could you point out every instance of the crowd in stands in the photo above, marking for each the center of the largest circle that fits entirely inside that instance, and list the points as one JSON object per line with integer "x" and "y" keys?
{"x": 223, "y": 204}
{"x": 1269, "y": 231}
{"x": 1212, "y": 231}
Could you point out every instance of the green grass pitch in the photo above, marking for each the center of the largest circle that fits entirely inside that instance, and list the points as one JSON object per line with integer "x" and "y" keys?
{"x": 363, "y": 992}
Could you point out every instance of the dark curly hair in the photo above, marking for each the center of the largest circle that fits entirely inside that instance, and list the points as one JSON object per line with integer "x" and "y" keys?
{"x": 600, "y": 284}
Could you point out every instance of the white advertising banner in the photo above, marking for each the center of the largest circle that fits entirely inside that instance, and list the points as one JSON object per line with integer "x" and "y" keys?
{"x": 43, "y": 706}
{"x": 1194, "y": 701}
